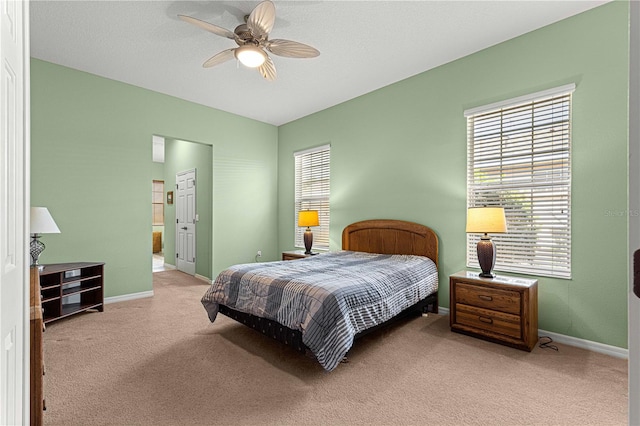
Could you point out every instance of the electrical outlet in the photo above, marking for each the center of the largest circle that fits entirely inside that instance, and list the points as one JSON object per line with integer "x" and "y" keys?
{"x": 259, "y": 254}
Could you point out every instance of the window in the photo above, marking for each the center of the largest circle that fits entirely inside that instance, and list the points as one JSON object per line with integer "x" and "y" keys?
{"x": 157, "y": 202}
{"x": 312, "y": 189}
{"x": 518, "y": 157}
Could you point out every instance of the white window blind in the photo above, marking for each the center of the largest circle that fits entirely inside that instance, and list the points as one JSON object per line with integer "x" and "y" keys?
{"x": 519, "y": 158}
{"x": 312, "y": 190}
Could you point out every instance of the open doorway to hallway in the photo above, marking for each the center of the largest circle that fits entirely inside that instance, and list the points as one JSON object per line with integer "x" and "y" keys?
{"x": 172, "y": 156}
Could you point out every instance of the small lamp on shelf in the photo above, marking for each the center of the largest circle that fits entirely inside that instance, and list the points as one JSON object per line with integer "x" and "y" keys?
{"x": 41, "y": 223}
{"x": 308, "y": 218}
{"x": 486, "y": 220}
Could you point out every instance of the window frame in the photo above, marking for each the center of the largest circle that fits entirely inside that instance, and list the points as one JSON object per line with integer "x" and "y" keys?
{"x": 312, "y": 171}
{"x": 154, "y": 203}
{"x": 536, "y": 194}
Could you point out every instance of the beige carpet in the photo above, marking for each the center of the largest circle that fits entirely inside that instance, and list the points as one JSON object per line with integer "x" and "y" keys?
{"x": 159, "y": 361}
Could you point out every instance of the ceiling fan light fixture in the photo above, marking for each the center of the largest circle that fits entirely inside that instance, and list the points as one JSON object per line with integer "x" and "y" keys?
{"x": 253, "y": 41}
{"x": 251, "y": 56}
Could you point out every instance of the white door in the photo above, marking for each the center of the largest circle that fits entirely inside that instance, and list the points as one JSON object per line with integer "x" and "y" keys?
{"x": 14, "y": 222}
{"x": 634, "y": 213}
{"x": 186, "y": 219}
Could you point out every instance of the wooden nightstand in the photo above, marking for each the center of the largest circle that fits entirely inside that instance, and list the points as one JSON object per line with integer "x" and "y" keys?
{"x": 500, "y": 309}
{"x": 293, "y": 255}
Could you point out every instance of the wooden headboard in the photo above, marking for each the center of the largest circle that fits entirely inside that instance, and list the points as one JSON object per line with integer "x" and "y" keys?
{"x": 391, "y": 237}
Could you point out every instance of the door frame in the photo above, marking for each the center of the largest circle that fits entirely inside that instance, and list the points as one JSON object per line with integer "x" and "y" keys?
{"x": 15, "y": 346}
{"x": 634, "y": 210}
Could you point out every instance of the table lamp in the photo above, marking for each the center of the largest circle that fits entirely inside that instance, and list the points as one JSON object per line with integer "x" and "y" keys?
{"x": 486, "y": 220}
{"x": 41, "y": 223}
{"x": 308, "y": 218}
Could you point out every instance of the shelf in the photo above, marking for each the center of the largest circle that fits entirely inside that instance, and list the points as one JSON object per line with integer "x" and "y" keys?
{"x": 72, "y": 280}
{"x": 77, "y": 290}
{"x": 43, "y": 288}
{"x": 72, "y": 308}
{"x": 69, "y": 288}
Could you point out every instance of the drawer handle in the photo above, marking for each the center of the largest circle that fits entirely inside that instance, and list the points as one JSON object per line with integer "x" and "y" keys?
{"x": 486, "y": 320}
{"x": 485, "y": 298}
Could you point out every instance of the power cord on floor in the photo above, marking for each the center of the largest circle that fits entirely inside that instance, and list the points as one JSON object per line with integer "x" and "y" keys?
{"x": 546, "y": 344}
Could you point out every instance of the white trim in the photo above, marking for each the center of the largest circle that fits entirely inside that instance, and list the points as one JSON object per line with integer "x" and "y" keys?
{"x": 561, "y": 90}
{"x": 203, "y": 278}
{"x": 168, "y": 266}
{"x": 589, "y": 345}
{"x": 127, "y": 297}
{"x": 315, "y": 148}
{"x": 633, "y": 315}
{"x": 26, "y": 102}
{"x": 586, "y": 344}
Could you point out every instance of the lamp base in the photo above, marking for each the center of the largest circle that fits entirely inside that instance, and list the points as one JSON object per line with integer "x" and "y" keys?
{"x": 308, "y": 240}
{"x": 486, "y": 256}
{"x": 36, "y": 247}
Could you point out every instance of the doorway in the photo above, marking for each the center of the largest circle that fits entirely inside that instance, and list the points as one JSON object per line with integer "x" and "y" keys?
{"x": 175, "y": 156}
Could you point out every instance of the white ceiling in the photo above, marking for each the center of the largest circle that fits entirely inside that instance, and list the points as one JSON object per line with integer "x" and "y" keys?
{"x": 364, "y": 45}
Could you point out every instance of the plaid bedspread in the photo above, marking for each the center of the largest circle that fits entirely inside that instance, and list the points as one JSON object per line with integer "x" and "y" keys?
{"x": 329, "y": 297}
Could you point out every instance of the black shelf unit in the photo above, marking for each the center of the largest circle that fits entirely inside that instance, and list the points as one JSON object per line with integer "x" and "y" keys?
{"x": 70, "y": 288}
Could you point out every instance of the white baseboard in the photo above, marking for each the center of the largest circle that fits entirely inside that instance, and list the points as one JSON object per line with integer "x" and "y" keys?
{"x": 586, "y": 344}
{"x": 203, "y": 278}
{"x": 143, "y": 294}
{"x": 167, "y": 266}
{"x": 573, "y": 341}
{"x": 126, "y": 297}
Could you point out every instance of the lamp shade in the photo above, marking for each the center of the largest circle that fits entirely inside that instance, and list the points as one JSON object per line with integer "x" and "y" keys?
{"x": 42, "y": 222}
{"x": 486, "y": 220}
{"x": 308, "y": 218}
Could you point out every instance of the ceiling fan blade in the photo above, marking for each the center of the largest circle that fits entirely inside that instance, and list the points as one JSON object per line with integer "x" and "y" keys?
{"x": 291, "y": 49}
{"x": 219, "y": 58}
{"x": 222, "y": 32}
{"x": 268, "y": 70}
{"x": 261, "y": 19}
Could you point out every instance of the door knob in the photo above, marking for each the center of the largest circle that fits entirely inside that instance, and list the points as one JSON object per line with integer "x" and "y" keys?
{"x": 184, "y": 228}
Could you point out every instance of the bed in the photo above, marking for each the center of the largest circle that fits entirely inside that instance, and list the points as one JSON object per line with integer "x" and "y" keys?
{"x": 319, "y": 305}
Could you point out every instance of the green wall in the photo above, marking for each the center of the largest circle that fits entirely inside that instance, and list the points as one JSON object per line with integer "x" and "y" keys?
{"x": 91, "y": 166}
{"x": 400, "y": 153}
{"x": 181, "y": 156}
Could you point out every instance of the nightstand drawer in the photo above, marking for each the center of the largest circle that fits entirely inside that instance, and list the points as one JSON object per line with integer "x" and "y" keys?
{"x": 489, "y": 298}
{"x": 492, "y": 321}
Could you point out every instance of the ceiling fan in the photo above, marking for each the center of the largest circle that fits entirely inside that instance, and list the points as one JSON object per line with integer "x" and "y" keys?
{"x": 252, "y": 38}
